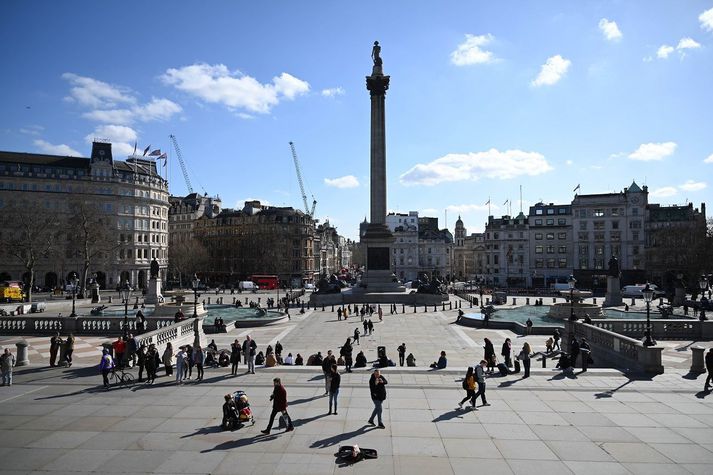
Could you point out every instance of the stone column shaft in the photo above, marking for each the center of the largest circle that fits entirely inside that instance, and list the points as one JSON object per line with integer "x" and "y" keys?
{"x": 378, "y": 159}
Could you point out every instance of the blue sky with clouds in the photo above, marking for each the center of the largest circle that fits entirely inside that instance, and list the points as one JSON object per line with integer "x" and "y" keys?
{"x": 484, "y": 97}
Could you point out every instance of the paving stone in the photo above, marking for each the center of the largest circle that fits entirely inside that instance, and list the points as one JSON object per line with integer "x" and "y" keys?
{"x": 63, "y": 440}
{"x": 685, "y": 453}
{"x": 634, "y": 452}
{"x": 597, "y": 468}
{"x": 549, "y": 467}
{"x": 656, "y": 469}
{"x": 525, "y": 449}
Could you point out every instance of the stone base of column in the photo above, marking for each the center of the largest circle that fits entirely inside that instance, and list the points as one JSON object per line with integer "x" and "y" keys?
{"x": 613, "y": 295}
{"x": 153, "y": 293}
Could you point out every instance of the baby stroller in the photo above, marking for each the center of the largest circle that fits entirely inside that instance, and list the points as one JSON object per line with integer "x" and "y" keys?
{"x": 236, "y": 411}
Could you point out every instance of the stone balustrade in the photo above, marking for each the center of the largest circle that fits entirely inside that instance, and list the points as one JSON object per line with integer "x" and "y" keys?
{"x": 661, "y": 329}
{"x": 34, "y": 324}
{"x": 610, "y": 348}
{"x": 185, "y": 332}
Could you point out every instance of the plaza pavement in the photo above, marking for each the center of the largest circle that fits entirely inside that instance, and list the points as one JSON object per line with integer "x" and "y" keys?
{"x": 59, "y": 420}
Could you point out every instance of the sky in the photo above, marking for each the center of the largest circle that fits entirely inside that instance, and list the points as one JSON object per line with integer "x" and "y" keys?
{"x": 485, "y": 98}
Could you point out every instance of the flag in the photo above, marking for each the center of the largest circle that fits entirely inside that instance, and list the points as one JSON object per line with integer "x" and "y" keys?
{"x": 575, "y": 188}
{"x": 488, "y": 202}
{"x": 506, "y": 202}
{"x": 146, "y": 150}
{"x": 163, "y": 156}
{"x": 155, "y": 153}
{"x": 135, "y": 145}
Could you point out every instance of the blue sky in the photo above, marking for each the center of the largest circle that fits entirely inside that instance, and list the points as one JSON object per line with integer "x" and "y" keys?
{"x": 484, "y": 97}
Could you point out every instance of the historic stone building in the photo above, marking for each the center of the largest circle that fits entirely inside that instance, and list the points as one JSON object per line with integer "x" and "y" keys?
{"x": 468, "y": 254}
{"x": 507, "y": 258}
{"x": 606, "y": 225}
{"x": 123, "y": 206}
{"x": 550, "y": 245}
{"x": 184, "y": 211}
{"x": 258, "y": 239}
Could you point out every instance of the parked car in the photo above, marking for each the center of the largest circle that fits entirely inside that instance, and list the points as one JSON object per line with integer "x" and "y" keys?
{"x": 636, "y": 291}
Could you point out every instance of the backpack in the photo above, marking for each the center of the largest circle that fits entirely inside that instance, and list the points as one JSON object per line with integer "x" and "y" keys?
{"x": 465, "y": 383}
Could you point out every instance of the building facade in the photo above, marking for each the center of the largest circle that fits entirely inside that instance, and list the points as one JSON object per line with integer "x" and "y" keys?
{"x": 507, "y": 257}
{"x": 185, "y": 210}
{"x": 550, "y": 245}
{"x": 125, "y": 204}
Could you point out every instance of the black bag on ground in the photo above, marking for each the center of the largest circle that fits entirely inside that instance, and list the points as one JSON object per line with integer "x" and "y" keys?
{"x": 502, "y": 367}
{"x": 517, "y": 366}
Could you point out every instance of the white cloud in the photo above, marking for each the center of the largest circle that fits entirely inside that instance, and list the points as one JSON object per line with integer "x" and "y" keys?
{"x": 472, "y": 166}
{"x": 468, "y": 208}
{"x": 687, "y": 43}
{"x": 610, "y": 30}
{"x": 122, "y": 138}
{"x": 348, "y": 181}
{"x": 157, "y": 109}
{"x": 664, "y": 192}
{"x": 569, "y": 162}
{"x": 216, "y": 84}
{"x": 31, "y": 130}
{"x": 333, "y": 92}
{"x": 245, "y": 116}
{"x": 552, "y": 71}
{"x": 61, "y": 149}
{"x": 709, "y": 159}
{"x": 706, "y": 19}
{"x": 691, "y": 185}
{"x": 94, "y": 93}
{"x": 114, "y": 116}
{"x": 664, "y": 51}
{"x": 653, "y": 151}
{"x": 471, "y": 51}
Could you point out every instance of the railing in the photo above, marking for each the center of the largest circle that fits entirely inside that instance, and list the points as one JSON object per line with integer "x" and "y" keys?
{"x": 178, "y": 334}
{"x": 615, "y": 349}
{"x": 42, "y": 325}
{"x": 661, "y": 329}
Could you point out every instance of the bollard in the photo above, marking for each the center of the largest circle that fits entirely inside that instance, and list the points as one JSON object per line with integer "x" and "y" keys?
{"x": 323, "y": 308}
{"x": 660, "y": 300}
{"x": 110, "y": 299}
{"x": 208, "y": 300}
{"x": 435, "y": 307}
{"x": 414, "y": 308}
{"x": 136, "y": 303}
{"x": 425, "y": 308}
{"x": 332, "y": 307}
{"x": 554, "y": 300}
{"x": 514, "y": 301}
{"x": 303, "y": 306}
{"x": 527, "y": 301}
{"x": 633, "y": 301}
{"x": 246, "y": 300}
{"x": 476, "y": 302}
{"x": 450, "y": 305}
{"x": 471, "y": 304}
{"x": 594, "y": 301}
{"x": 233, "y": 300}
{"x": 21, "y": 358}
{"x": 443, "y": 306}
{"x": 544, "y": 361}
{"x": 403, "y": 308}
{"x": 487, "y": 301}
{"x": 697, "y": 360}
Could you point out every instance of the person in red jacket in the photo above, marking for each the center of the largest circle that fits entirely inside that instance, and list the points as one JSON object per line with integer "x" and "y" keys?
{"x": 279, "y": 404}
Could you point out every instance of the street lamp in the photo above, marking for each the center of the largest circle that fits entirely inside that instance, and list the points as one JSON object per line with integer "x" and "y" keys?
{"x": 703, "y": 284}
{"x": 125, "y": 292}
{"x": 648, "y": 293}
{"x": 195, "y": 283}
{"x": 73, "y": 282}
{"x": 572, "y": 282}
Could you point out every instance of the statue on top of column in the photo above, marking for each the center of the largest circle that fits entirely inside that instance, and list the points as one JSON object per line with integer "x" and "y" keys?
{"x": 376, "y": 57}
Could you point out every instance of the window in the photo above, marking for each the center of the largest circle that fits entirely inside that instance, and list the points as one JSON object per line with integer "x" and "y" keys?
{"x": 598, "y": 225}
{"x": 615, "y": 224}
{"x": 562, "y": 211}
{"x": 550, "y": 222}
{"x": 538, "y": 222}
{"x": 636, "y": 225}
{"x": 615, "y": 236}
{"x": 599, "y": 236}
{"x": 538, "y": 212}
{"x": 615, "y": 250}
{"x": 598, "y": 212}
{"x": 550, "y": 249}
{"x": 496, "y": 235}
{"x": 583, "y": 236}
{"x": 550, "y": 263}
{"x": 599, "y": 250}
{"x": 561, "y": 235}
{"x": 562, "y": 249}
{"x": 538, "y": 236}
{"x": 538, "y": 249}
{"x": 599, "y": 263}
{"x": 495, "y": 259}
{"x": 615, "y": 212}
{"x": 562, "y": 262}
{"x": 635, "y": 235}
{"x": 635, "y": 250}
{"x": 550, "y": 211}
{"x": 561, "y": 221}
{"x": 582, "y": 225}
{"x": 539, "y": 263}
{"x": 584, "y": 262}
{"x": 550, "y": 235}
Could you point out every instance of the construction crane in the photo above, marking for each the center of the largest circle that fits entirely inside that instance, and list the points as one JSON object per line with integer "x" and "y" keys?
{"x": 183, "y": 165}
{"x": 298, "y": 169}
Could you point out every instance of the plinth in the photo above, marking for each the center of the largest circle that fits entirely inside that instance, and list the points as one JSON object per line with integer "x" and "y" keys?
{"x": 153, "y": 293}
{"x": 613, "y": 295}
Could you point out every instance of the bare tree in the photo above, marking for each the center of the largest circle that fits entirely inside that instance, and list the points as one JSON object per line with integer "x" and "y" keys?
{"x": 94, "y": 235}
{"x": 30, "y": 235}
{"x": 186, "y": 258}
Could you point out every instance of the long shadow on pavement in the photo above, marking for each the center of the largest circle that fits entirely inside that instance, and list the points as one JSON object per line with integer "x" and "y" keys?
{"x": 234, "y": 444}
{"x": 335, "y": 440}
{"x": 447, "y": 416}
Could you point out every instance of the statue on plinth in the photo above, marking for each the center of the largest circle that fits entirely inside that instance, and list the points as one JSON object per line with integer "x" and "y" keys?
{"x": 613, "y": 295}
{"x": 154, "y": 269}
{"x": 614, "y": 267}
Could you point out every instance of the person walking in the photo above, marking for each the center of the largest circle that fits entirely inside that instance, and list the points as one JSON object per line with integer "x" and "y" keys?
{"x": 371, "y": 327}
{"x": 381, "y": 314}
{"x": 7, "y": 361}
{"x": 556, "y": 337}
{"x": 573, "y": 352}
{"x": 279, "y": 404}
{"x": 119, "y": 351}
{"x": 106, "y": 365}
{"x": 140, "y": 322}
{"x": 365, "y": 324}
{"x": 152, "y": 362}
{"x": 524, "y": 356}
{"x": 181, "y": 363}
{"x": 528, "y": 325}
{"x": 189, "y": 363}
{"x": 489, "y": 355}
{"x": 339, "y": 314}
{"x": 469, "y": 386}
{"x": 167, "y": 358}
{"x": 377, "y": 387}
{"x": 356, "y": 335}
{"x": 346, "y": 352}
{"x": 252, "y": 348}
{"x": 506, "y": 352}
{"x": 199, "y": 359}
{"x": 334, "y": 383}
{"x": 480, "y": 379}
{"x": 709, "y": 367}
{"x": 586, "y": 351}
{"x": 246, "y": 350}
{"x": 55, "y": 341}
{"x": 234, "y": 357}
{"x": 141, "y": 361}
{"x": 327, "y": 370}
{"x": 69, "y": 349}
{"x": 402, "y": 353}
{"x": 278, "y": 348}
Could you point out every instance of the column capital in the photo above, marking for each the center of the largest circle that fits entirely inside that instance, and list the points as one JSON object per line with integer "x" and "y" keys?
{"x": 377, "y": 84}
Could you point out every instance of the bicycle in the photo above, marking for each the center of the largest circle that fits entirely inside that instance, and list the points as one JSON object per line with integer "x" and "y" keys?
{"x": 121, "y": 378}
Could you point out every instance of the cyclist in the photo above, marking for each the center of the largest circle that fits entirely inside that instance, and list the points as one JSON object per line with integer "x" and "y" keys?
{"x": 106, "y": 365}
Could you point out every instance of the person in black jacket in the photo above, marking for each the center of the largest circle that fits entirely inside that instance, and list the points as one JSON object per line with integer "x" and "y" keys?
{"x": 377, "y": 386}
{"x": 346, "y": 352}
{"x": 334, "y": 383}
{"x": 573, "y": 351}
{"x": 327, "y": 370}
{"x": 234, "y": 357}
{"x": 586, "y": 351}
{"x": 709, "y": 367}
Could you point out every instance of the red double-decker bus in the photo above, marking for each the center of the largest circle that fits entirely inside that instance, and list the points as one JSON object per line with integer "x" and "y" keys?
{"x": 265, "y": 282}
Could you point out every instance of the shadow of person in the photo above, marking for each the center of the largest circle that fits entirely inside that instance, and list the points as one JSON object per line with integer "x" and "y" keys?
{"x": 306, "y": 399}
{"x": 235, "y": 444}
{"x": 334, "y": 440}
{"x": 204, "y": 431}
{"x": 447, "y": 416}
{"x": 301, "y": 422}
{"x": 703, "y": 394}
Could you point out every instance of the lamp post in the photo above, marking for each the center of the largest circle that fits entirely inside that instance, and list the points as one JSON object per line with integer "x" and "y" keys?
{"x": 648, "y": 293}
{"x": 703, "y": 284}
{"x": 572, "y": 282}
{"x": 195, "y": 283}
{"x": 73, "y": 281}
{"x": 125, "y": 296}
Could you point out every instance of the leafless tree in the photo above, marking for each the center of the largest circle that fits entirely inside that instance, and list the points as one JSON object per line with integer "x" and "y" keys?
{"x": 186, "y": 258}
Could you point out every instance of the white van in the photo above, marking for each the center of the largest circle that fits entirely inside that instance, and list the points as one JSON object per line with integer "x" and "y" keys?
{"x": 247, "y": 285}
{"x": 637, "y": 290}
{"x": 560, "y": 286}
